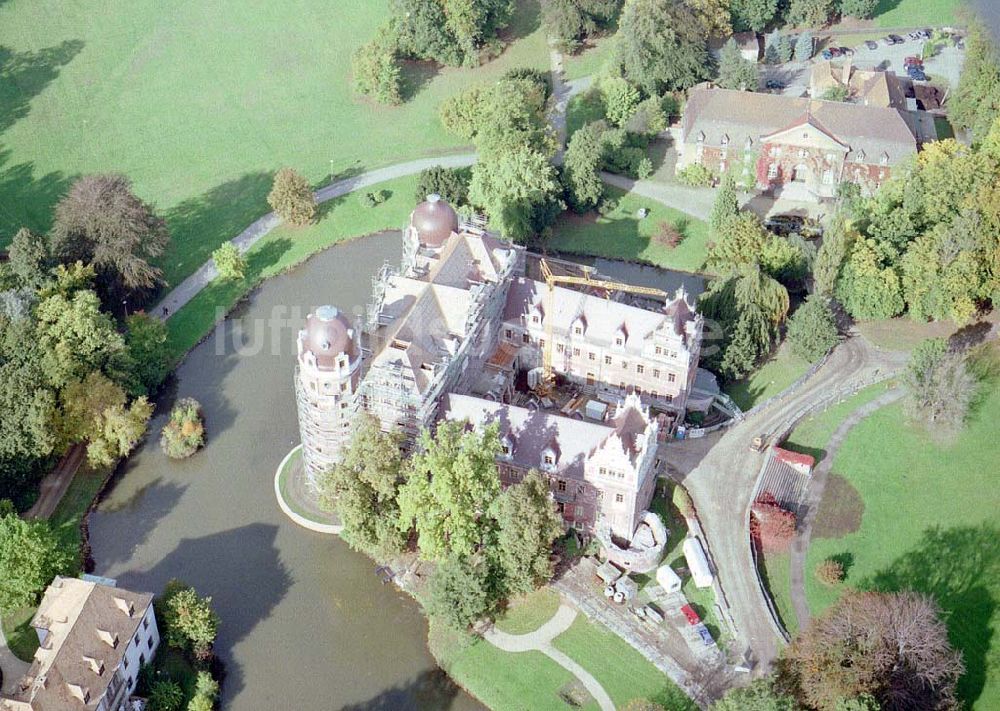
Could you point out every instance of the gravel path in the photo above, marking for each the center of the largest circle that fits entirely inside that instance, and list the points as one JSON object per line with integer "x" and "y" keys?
{"x": 53, "y": 487}
{"x": 722, "y": 484}
{"x": 800, "y": 546}
{"x": 541, "y": 640}
{"x": 696, "y": 202}
{"x": 559, "y": 100}
{"x": 189, "y": 288}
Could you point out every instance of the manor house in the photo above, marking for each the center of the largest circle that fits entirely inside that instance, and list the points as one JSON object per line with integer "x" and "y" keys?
{"x": 456, "y": 331}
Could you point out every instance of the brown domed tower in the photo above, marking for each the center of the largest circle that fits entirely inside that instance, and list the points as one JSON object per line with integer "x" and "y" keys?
{"x": 326, "y": 381}
{"x": 432, "y": 222}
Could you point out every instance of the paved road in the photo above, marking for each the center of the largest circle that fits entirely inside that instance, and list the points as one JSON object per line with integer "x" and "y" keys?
{"x": 722, "y": 483}
{"x": 541, "y": 640}
{"x": 560, "y": 100}
{"x": 817, "y": 485}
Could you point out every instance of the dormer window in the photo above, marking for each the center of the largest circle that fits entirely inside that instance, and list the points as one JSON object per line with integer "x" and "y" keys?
{"x": 860, "y": 157}
{"x": 701, "y": 136}
{"x": 549, "y": 459}
{"x": 619, "y": 341}
{"x": 885, "y": 159}
{"x": 749, "y": 144}
{"x": 506, "y": 447}
{"x": 725, "y": 140}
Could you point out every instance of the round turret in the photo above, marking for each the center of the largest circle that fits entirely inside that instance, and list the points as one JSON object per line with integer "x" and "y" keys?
{"x": 434, "y": 220}
{"x": 328, "y": 334}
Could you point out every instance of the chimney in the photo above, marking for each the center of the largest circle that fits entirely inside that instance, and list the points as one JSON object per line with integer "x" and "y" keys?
{"x": 846, "y": 76}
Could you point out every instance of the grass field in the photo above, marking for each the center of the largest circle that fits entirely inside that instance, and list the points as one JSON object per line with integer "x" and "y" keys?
{"x": 339, "y": 219}
{"x": 911, "y": 13}
{"x": 623, "y": 672}
{"x": 775, "y": 576}
{"x": 21, "y": 636}
{"x": 588, "y": 61}
{"x": 905, "y": 512}
{"x": 621, "y": 235}
{"x": 200, "y": 102}
{"x": 774, "y": 375}
{"x": 528, "y": 613}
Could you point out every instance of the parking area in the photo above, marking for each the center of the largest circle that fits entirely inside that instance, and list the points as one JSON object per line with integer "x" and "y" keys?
{"x": 943, "y": 69}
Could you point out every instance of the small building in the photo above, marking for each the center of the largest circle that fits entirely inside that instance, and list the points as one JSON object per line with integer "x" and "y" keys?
{"x": 747, "y": 42}
{"x": 697, "y": 562}
{"x": 867, "y": 88}
{"x": 93, "y": 638}
{"x": 668, "y": 579}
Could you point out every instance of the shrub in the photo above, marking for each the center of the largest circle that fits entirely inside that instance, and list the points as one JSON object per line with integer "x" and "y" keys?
{"x": 830, "y": 572}
{"x": 771, "y": 525}
{"x": 668, "y": 235}
{"x": 184, "y": 433}
{"x": 452, "y": 184}
{"x": 457, "y": 592}
{"x": 230, "y": 264}
{"x": 165, "y": 696}
{"x": 376, "y": 71}
{"x": 696, "y": 176}
{"x": 682, "y": 500}
{"x": 375, "y": 198}
{"x": 607, "y": 206}
{"x": 190, "y": 624}
{"x": 291, "y": 198}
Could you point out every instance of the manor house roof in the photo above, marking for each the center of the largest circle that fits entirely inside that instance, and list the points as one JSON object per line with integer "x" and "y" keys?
{"x": 718, "y": 117}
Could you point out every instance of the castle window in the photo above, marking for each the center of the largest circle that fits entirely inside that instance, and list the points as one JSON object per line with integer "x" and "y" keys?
{"x": 772, "y": 171}
{"x": 669, "y": 397}
{"x": 619, "y": 498}
{"x": 560, "y": 348}
{"x": 654, "y": 394}
{"x": 576, "y": 351}
{"x": 638, "y": 390}
{"x": 827, "y": 177}
{"x": 534, "y": 319}
{"x": 671, "y": 377}
{"x": 578, "y": 511}
{"x": 618, "y": 341}
{"x": 561, "y": 485}
{"x": 607, "y": 360}
{"x": 591, "y": 355}
{"x": 581, "y": 489}
{"x": 656, "y": 373}
{"x": 659, "y": 351}
{"x": 578, "y": 330}
{"x": 525, "y": 338}
{"x": 548, "y": 459}
{"x": 624, "y": 365}
{"x": 509, "y": 333}
{"x": 541, "y": 343}
{"x": 603, "y": 471}
{"x": 640, "y": 368}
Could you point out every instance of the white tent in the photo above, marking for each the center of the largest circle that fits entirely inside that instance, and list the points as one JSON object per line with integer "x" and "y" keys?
{"x": 668, "y": 579}
{"x": 697, "y": 561}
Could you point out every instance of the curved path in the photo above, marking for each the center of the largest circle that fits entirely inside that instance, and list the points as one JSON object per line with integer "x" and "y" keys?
{"x": 189, "y": 288}
{"x": 722, "y": 485}
{"x": 818, "y": 485}
{"x": 541, "y": 640}
{"x": 11, "y": 667}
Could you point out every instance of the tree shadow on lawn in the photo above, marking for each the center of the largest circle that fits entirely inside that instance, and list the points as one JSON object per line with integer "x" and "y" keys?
{"x": 527, "y": 18}
{"x": 415, "y": 76}
{"x": 26, "y": 200}
{"x": 199, "y": 225}
{"x": 24, "y": 75}
{"x": 960, "y": 568}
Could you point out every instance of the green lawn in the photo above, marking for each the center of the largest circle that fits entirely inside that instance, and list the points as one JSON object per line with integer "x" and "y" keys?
{"x": 623, "y": 672}
{"x": 621, "y": 235}
{"x": 502, "y": 680}
{"x": 583, "y": 109}
{"x": 928, "y": 523}
{"x": 588, "y": 61}
{"x": 339, "y": 220}
{"x": 200, "y": 102}
{"x": 528, "y": 613}
{"x": 21, "y": 636}
{"x": 911, "y": 13}
{"x": 777, "y": 373}
{"x": 775, "y": 574}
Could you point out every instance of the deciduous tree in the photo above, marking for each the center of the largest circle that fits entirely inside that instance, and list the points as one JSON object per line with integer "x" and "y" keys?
{"x": 812, "y": 329}
{"x": 940, "y": 387}
{"x": 518, "y": 189}
{"x": 120, "y": 429}
{"x": 753, "y": 14}
{"x": 190, "y": 622}
{"x": 891, "y": 646}
{"x": 375, "y": 70}
{"x": 810, "y": 13}
{"x": 527, "y": 526}
{"x": 102, "y": 222}
{"x": 363, "y": 489}
{"x": 976, "y": 102}
{"x": 660, "y": 46}
{"x": 230, "y": 264}
{"x": 620, "y": 99}
{"x": 868, "y": 288}
{"x": 148, "y": 353}
{"x": 291, "y": 198}
{"x": 758, "y": 696}
{"x": 452, "y": 481}
{"x": 714, "y": 16}
{"x": 452, "y": 184}
{"x": 862, "y": 9}
{"x": 29, "y": 259}
{"x": 458, "y": 591}
{"x": 184, "y": 433}
{"x": 30, "y": 556}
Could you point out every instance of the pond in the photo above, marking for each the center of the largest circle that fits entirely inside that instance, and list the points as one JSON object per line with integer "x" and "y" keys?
{"x": 306, "y": 624}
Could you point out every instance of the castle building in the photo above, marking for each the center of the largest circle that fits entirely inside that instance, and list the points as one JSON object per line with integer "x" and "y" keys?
{"x": 448, "y": 334}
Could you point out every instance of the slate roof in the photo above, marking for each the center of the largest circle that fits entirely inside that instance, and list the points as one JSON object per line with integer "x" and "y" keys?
{"x": 739, "y": 115}
{"x": 81, "y": 617}
{"x": 603, "y": 318}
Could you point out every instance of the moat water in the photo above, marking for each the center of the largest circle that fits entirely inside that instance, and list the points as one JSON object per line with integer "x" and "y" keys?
{"x": 306, "y": 623}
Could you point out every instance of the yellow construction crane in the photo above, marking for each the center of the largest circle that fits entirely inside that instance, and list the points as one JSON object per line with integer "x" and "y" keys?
{"x": 548, "y": 379}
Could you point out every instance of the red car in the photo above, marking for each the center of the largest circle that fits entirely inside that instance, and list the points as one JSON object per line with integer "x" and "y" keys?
{"x": 913, "y": 62}
{"x": 691, "y": 615}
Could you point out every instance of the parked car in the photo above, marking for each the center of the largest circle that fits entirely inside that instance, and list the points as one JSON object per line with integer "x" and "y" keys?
{"x": 916, "y": 73}
{"x": 913, "y": 62}
{"x": 924, "y": 34}
{"x": 915, "y": 36}
{"x": 784, "y": 224}
{"x": 774, "y": 84}
{"x": 871, "y": 44}
{"x": 705, "y": 635}
{"x": 846, "y": 51}
{"x": 896, "y": 39}
{"x": 691, "y": 615}
{"x": 825, "y": 54}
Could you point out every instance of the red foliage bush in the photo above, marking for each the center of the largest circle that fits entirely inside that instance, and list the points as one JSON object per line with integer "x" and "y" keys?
{"x": 771, "y": 526}
{"x": 668, "y": 235}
